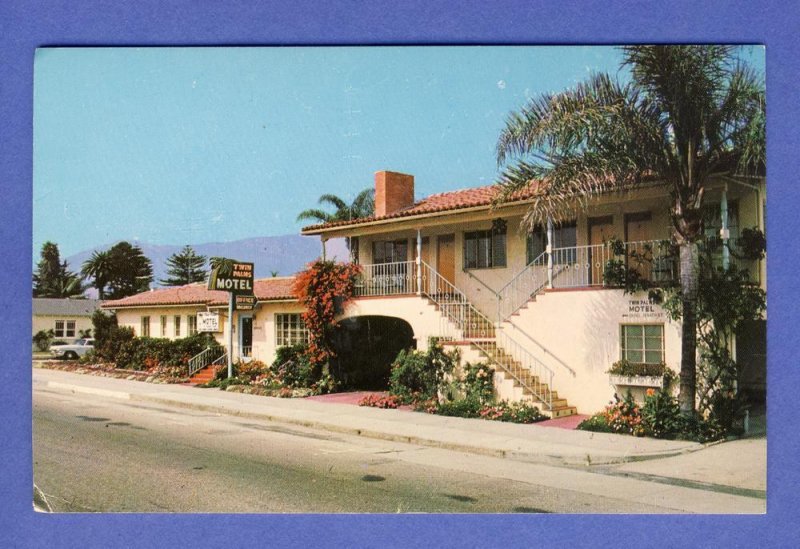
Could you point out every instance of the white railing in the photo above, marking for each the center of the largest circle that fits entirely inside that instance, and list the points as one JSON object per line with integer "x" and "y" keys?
{"x": 246, "y": 351}
{"x": 201, "y": 360}
{"x": 379, "y": 279}
{"x": 584, "y": 267}
{"x": 520, "y": 289}
{"x": 460, "y": 318}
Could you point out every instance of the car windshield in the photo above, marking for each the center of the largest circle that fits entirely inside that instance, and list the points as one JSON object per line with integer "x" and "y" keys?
{"x": 79, "y": 341}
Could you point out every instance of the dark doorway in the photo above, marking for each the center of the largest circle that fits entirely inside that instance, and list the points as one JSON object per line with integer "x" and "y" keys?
{"x": 751, "y": 355}
{"x": 365, "y": 348}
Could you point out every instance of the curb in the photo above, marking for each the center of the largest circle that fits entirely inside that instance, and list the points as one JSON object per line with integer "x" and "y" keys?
{"x": 513, "y": 455}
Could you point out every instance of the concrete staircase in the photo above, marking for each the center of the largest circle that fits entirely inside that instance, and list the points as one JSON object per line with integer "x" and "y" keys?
{"x": 203, "y": 376}
{"x": 532, "y": 387}
{"x": 468, "y": 324}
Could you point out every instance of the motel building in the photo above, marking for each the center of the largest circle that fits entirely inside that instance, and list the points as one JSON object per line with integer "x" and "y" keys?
{"x": 534, "y": 304}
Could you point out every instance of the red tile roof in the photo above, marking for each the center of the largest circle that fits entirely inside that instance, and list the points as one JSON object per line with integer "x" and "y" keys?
{"x": 266, "y": 289}
{"x": 442, "y": 202}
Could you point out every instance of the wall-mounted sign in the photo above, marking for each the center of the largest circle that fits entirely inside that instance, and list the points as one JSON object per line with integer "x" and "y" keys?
{"x": 232, "y": 276}
{"x": 642, "y": 309}
{"x": 207, "y": 322}
{"x": 244, "y": 302}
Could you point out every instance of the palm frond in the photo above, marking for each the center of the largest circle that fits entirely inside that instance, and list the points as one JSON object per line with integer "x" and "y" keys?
{"x": 334, "y": 201}
{"x": 317, "y": 215}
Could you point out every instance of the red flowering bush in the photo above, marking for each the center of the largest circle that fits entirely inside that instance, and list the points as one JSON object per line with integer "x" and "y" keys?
{"x": 380, "y": 401}
{"x": 324, "y": 288}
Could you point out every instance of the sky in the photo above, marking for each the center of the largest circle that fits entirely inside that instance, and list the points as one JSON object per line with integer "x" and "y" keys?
{"x": 193, "y": 145}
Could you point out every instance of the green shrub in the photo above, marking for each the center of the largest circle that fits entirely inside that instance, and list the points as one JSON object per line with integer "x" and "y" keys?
{"x": 477, "y": 382}
{"x": 146, "y": 353}
{"x": 109, "y": 348}
{"x": 465, "y": 407}
{"x": 597, "y": 423}
{"x": 293, "y": 368}
{"x": 661, "y": 415}
{"x": 418, "y": 375}
{"x": 42, "y": 340}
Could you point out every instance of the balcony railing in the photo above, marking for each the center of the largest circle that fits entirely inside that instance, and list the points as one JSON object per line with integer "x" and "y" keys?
{"x": 584, "y": 267}
{"x": 381, "y": 279}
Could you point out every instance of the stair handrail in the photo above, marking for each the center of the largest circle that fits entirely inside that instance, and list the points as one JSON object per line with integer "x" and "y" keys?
{"x": 458, "y": 310}
{"x": 511, "y": 298}
{"x": 199, "y": 361}
{"x": 522, "y": 360}
{"x": 432, "y": 288}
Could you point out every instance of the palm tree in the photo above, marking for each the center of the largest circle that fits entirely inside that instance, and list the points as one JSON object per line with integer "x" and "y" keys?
{"x": 363, "y": 205}
{"x": 100, "y": 268}
{"x": 689, "y": 112}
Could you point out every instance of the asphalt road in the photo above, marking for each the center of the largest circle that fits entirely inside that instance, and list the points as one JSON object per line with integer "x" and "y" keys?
{"x": 96, "y": 454}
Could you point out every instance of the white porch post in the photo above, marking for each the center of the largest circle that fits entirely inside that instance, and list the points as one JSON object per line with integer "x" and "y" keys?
{"x": 549, "y": 250}
{"x": 324, "y": 256}
{"x": 419, "y": 262}
{"x": 724, "y": 233}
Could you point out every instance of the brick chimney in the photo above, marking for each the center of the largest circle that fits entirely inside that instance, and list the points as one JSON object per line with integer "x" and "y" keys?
{"x": 393, "y": 191}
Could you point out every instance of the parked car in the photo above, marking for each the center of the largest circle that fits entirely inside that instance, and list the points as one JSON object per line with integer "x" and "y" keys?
{"x": 72, "y": 351}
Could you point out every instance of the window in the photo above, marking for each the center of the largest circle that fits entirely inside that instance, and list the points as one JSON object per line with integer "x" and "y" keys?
{"x": 564, "y": 236}
{"x": 191, "y": 325}
{"x": 486, "y": 249}
{"x": 163, "y": 325}
{"x": 64, "y": 328}
{"x": 177, "y": 325}
{"x": 145, "y": 326}
{"x": 389, "y": 251}
{"x": 643, "y": 343}
{"x": 289, "y": 330}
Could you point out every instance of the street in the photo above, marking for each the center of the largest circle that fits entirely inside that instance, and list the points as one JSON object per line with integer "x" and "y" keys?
{"x": 94, "y": 453}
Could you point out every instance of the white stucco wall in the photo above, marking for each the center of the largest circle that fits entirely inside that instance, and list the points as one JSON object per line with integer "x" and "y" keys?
{"x": 581, "y": 330}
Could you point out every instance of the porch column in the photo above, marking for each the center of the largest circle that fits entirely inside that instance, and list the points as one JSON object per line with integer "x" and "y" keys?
{"x": 324, "y": 256}
{"x": 549, "y": 250}
{"x": 724, "y": 233}
{"x": 419, "y": 262}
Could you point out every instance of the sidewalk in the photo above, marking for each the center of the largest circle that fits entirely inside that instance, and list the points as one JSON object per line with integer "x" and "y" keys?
{"x": 528, "y": 443}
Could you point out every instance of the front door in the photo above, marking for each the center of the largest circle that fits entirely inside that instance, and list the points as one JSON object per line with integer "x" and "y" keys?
{"x": 245, "y": 337}
{"x": 601, "y": 230}
{"x": 446, "y": 257}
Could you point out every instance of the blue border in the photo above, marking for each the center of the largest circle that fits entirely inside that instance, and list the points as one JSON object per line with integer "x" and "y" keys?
{"x": 27, "y": 25}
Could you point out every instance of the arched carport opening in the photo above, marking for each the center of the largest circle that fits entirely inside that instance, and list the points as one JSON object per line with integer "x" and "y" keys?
{"x": 365, "y": 348}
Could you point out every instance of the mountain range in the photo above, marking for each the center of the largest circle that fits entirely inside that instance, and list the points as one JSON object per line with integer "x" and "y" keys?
{"x": 286, "y": 254}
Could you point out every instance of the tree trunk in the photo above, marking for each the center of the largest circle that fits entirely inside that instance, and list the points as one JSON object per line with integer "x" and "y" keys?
{"x": 690, "y": 273}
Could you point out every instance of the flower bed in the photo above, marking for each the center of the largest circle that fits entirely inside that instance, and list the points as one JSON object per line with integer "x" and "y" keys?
{"x": 658, "y": 417}
{"x": 155, "y": 375}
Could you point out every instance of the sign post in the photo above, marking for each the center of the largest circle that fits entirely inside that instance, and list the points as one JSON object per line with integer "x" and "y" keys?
{"x": 236, "y": 278}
